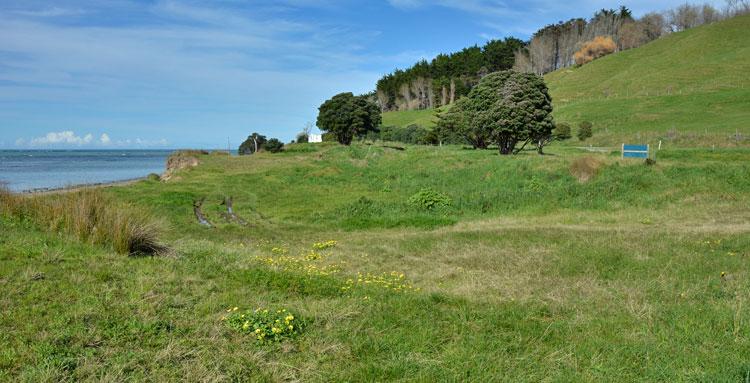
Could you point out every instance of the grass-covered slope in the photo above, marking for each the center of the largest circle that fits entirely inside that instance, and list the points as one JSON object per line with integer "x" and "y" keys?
{"x": 425, "y": 118}
{"x": 691, "y": 86}
{"x": 527, "y": 274}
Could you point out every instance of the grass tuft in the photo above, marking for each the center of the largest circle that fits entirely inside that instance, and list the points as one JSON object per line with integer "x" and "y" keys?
{"x": 585, "y": 168}
{"x": 89, "y": 216}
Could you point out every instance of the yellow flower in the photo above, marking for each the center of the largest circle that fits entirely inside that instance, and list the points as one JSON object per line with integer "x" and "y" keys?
{"x": 235, "y": 308}
{"x": 258, "y": 331}
{"x": 275, "y": 330}
{"x": 246, "y": 325}
{"x": 291, "y": 327}
{"x": 289, "y": 317}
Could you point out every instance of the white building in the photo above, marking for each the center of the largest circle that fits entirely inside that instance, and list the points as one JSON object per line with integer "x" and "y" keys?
{"x": 315, "y": 138}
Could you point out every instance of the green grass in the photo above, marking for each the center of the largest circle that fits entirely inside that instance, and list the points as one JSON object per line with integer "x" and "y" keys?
{"x": 687, "y": 89}
{"x": 527, "y": 275}
{"x": 425, "y": 118}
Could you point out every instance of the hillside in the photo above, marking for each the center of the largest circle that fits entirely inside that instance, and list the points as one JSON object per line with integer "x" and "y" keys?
{"x": 524, "y": 272}
{"x": 690, "y": 88}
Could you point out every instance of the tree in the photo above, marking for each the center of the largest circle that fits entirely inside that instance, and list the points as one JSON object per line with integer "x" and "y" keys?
{"x": 273, "y": 145}
{"x": 509, "y": 107}
{"x": 453, "y": 127}
{"x": 252, "y": 144}
{"x": 304, "y": 136}
{"x": 543, "y": 138}
{"x": 584, "y": 131}
{"x": 347, "y": 116}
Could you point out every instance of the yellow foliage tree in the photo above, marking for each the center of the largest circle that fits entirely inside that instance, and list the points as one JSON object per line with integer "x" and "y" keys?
{"x": 591, "y": 50}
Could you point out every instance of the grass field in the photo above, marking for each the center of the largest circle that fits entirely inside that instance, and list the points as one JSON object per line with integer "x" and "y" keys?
{"x": 424, "y": 117}
{"x": 687, "y": 89}
{"x": 525, "y": 274}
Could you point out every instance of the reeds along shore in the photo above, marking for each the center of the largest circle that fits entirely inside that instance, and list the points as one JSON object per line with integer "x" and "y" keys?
{"x": 90, "y": 216}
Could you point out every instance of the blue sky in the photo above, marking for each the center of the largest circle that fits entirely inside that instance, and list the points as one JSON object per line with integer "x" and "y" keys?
{"x": 196, "y": 73}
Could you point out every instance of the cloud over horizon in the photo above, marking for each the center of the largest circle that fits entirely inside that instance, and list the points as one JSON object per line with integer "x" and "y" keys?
{"x": 69, "y": 139}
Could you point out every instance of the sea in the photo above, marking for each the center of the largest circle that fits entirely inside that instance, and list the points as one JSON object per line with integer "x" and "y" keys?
{"x": 38, "y": 170}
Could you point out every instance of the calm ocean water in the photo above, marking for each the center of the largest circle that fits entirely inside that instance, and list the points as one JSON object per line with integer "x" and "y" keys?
{"x": 25, "y": 170}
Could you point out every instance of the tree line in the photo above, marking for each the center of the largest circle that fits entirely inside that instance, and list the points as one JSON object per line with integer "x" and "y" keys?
{"x": 446, "y": 78}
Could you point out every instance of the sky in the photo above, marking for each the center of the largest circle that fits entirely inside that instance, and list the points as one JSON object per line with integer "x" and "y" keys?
{"x": 92, "y": 74}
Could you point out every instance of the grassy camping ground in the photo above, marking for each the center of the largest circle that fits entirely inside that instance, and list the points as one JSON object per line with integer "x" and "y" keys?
{"x": 519, "y": 271}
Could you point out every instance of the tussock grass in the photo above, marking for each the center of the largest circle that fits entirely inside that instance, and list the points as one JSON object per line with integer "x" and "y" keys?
{"x": 91, "y": 217}
{"x": 585, "y": 168}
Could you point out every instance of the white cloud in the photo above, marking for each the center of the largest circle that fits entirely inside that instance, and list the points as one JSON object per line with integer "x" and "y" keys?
{"x": 104, "y": 139}
{"x": 67, "y": 137}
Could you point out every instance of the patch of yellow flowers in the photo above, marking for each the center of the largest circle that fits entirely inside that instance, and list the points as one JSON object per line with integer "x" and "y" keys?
{"x": 324, "y": 245}
{"x": 394, "y": 281}
{"x": 264, "y": 324}
{"x": 310, "y": 263}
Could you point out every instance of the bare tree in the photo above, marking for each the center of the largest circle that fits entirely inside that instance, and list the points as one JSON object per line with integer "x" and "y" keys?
{"x": 684, "y": 17}
{"x": 654, "y": 25}
{"x": 737, "y": 7}
{"x": 709, "y": 14}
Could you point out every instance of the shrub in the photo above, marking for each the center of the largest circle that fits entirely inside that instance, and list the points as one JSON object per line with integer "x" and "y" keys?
{"x": 273, "y": 145}
{"x": 302, "y": 138}
{"x": 328, "y": 137}
{"x": 585, "y": 168}
{"x": 584, "y": 130}
{"x": 562, "y": 131}
{"x": 591, "y": 50}
{"x": 90, "y": 217}
{"x": 153, "y": 177}
{"x": 265, "y": 325}
{"x": 429, "y": 198}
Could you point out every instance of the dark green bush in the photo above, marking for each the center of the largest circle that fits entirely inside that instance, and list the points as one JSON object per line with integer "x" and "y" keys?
{"x": 584, "y": 130}
{"x": 273, "y": 145}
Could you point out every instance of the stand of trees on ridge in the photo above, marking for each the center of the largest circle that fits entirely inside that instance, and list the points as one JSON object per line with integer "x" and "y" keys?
{"x": 448, "y": 77}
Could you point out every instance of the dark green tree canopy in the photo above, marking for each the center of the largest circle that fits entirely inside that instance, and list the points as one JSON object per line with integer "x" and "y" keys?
{"x": 273, "y": 145}
{"x": 252, "y": 144}
{"x": 510, "y": 108}
{"x": 348, "y": 116}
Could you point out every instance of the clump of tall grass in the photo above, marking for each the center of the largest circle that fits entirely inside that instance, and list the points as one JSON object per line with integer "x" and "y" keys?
{"x": 89, "y": 216}
{"x": 585, "y": 168}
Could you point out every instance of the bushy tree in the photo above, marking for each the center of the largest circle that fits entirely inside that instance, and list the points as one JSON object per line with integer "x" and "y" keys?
{"x": 348, "y": 116}
{"x": 585, "y": 130}
{"x": 302, "y": 138}
{"x": 252, "y": 144}
{"x": 509, "y": 107}
{"x": 273, "y": 145}
{"x": 453, "y": 127}
{"x": 562, "y": 132}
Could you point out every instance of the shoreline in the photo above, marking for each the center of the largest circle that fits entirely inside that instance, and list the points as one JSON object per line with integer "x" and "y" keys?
{"x": 78, "y": 187}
